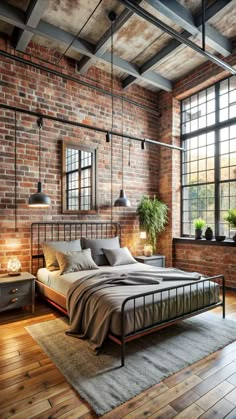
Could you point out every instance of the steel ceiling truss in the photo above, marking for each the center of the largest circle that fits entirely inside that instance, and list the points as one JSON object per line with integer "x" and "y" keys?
{"x": 132, "y": 5}
{"x": 16, "y": 17}
{"x": 162, "y": 55}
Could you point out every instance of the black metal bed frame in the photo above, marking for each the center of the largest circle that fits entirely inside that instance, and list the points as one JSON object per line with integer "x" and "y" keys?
{"x": 52, "y": 231}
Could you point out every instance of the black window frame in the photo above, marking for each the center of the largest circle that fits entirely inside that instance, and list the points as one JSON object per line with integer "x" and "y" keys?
{"x": 65, "y": 175}
{"x": 218, "y": 182}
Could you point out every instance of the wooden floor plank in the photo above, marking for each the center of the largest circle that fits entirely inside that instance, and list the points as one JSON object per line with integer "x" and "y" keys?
{"x": 17, "y": 407}
{"x": 214, "y": 379}
{"x": 193, "y": 411}
{"x": 166, "y": 412}
{"x": 32, "y": 411}
{"x": 219, "y": 411}
{"x": 231, "y": 415}
{"x": 184, "y": 400}
{"x": 231, "y": 397}
{"x": 214, "y": 395}
{"x": 163, "y": 399}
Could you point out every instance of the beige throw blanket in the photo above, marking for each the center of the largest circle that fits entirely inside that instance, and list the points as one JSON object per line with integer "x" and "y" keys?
{"x": 91, "y": 301}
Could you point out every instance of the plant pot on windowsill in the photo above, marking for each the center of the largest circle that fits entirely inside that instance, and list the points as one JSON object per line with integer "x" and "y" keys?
{"x": 198, "y": 234}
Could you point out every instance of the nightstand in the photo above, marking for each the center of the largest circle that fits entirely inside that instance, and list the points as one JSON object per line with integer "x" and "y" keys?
{"x": 17, "y": 291}
{"x": 155, "y": 260}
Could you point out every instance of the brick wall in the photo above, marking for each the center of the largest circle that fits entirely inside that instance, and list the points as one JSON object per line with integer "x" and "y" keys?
{"x": 36, "y": 90}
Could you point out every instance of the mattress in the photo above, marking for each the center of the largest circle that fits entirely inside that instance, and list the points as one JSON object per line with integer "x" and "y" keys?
{"x": 166, "y": 305}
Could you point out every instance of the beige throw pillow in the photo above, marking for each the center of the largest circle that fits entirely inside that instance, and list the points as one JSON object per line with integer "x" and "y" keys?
{"x": 75, "y": 261}
{"x": 50, "y": 249}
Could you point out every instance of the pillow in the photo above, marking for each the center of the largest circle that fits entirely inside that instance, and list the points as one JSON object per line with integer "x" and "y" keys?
{"x": 120, "y": 256}
{"x": 97, "y": 245}
{"x": 75, "y": 261}
{"x": 50, "y": 249}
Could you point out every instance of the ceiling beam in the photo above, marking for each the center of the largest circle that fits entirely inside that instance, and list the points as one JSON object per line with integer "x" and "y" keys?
{"x": 101, "y": 47}
{"x": 15, "y": 17}
{"x": 34, "y": 13}
{"x": 183, "y": 17}
{"x": 174, "y": 44}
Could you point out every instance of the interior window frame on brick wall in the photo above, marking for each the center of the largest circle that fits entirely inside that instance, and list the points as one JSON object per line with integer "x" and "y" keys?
{"x": 208, "y": 166}
{"x": 79, "y": 178}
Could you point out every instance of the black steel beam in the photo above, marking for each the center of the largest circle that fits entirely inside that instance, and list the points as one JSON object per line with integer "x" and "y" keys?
{"x": 89, "y": 127}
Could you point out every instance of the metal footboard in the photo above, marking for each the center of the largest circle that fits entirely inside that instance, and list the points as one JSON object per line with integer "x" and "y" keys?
{"x": 186, "y": 292}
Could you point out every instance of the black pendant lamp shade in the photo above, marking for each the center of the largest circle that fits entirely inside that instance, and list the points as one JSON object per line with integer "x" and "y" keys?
{"x": 39, "y": 199}
{"x": 122, "y": 201}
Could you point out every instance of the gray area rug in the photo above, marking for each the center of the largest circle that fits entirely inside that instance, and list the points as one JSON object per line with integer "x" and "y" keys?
{"x": 100, "y": 380}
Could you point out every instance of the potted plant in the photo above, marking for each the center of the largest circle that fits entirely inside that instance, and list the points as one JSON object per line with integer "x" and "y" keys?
{"x": 199, "y": 223}
{"x": 152, "y": 218}
{"x": 231, "y": 219}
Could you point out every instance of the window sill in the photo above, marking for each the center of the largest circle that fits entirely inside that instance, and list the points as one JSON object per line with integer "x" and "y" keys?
{"x": 204, "y": 242}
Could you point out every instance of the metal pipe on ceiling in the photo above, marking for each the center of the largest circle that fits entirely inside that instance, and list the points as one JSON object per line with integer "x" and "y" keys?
{"x": 134, "y": 7}
{"x": 74, "y": 79}
{"x": 89, "y": 127}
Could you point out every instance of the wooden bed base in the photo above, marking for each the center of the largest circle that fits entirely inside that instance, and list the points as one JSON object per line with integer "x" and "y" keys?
{"x": 54, "y": 231}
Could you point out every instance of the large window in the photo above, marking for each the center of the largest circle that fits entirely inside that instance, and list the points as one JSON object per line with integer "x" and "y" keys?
{"x": 79, "y": 178}
{"x": 208, "y": 129}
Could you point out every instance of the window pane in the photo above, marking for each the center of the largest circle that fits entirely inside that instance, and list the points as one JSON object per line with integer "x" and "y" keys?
{"x": 210, "y": 156}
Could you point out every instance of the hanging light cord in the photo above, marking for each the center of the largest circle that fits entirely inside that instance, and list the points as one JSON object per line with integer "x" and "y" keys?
{"x": 112, "y": 113}
{"x": 122, "y": 146}
{"x": 76, "y": 36}
{"x": 15, "y": 163}
{"x": 40, "y": 124}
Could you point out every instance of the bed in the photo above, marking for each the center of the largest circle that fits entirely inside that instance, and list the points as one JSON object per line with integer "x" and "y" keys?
{"x": 123, "y": 301}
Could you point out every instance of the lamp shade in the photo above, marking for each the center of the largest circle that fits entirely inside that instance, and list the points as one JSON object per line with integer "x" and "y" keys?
{"x": 122, "y": 201}
{"x": 143, "y": 235}
{"x": 39, "y": 199}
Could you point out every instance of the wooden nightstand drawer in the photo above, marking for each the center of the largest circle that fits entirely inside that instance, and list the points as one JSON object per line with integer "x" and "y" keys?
{"x": 15, "y": 289}
{"x": 9, "y": 303}
{"x": 155, "y": 260}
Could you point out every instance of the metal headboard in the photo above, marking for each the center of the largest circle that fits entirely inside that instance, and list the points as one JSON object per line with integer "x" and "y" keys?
{"x": 58, "y": 231}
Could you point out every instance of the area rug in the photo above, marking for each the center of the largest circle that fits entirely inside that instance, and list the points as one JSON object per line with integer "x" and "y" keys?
{"x": 100, "y": 380}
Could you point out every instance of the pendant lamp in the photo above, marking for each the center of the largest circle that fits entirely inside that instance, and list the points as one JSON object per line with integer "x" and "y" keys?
{"x": 122, "y": 201}
{"x": 39, "y": 199}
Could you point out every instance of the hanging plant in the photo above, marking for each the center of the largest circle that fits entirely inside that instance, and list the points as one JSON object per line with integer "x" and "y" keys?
{"x": 152, "y": 217}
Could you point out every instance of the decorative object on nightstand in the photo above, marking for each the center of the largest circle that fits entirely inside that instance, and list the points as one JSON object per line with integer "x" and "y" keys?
{"x": 13, "y": 266}
{"x": 16, "y": 292}
{"x": 155, "y": 260}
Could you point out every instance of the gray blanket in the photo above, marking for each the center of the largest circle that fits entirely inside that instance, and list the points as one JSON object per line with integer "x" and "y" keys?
{"x": 92, "y": 300}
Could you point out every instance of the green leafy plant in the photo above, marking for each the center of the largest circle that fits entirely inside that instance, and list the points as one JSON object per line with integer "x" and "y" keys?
{"x": 199, "y": 223}
{"x": 231, "y": 217}
{"x": 152, "y": 217}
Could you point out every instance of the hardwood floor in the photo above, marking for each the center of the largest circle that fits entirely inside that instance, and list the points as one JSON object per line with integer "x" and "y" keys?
{"x": 32, "y": 387}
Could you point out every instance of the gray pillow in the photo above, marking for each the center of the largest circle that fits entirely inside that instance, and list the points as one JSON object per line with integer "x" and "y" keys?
{"x": 75, "y": 261}
{"x": 97, "y": 245}
{"x": 120, "y": 256}
{"x": 50, "y": 249}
